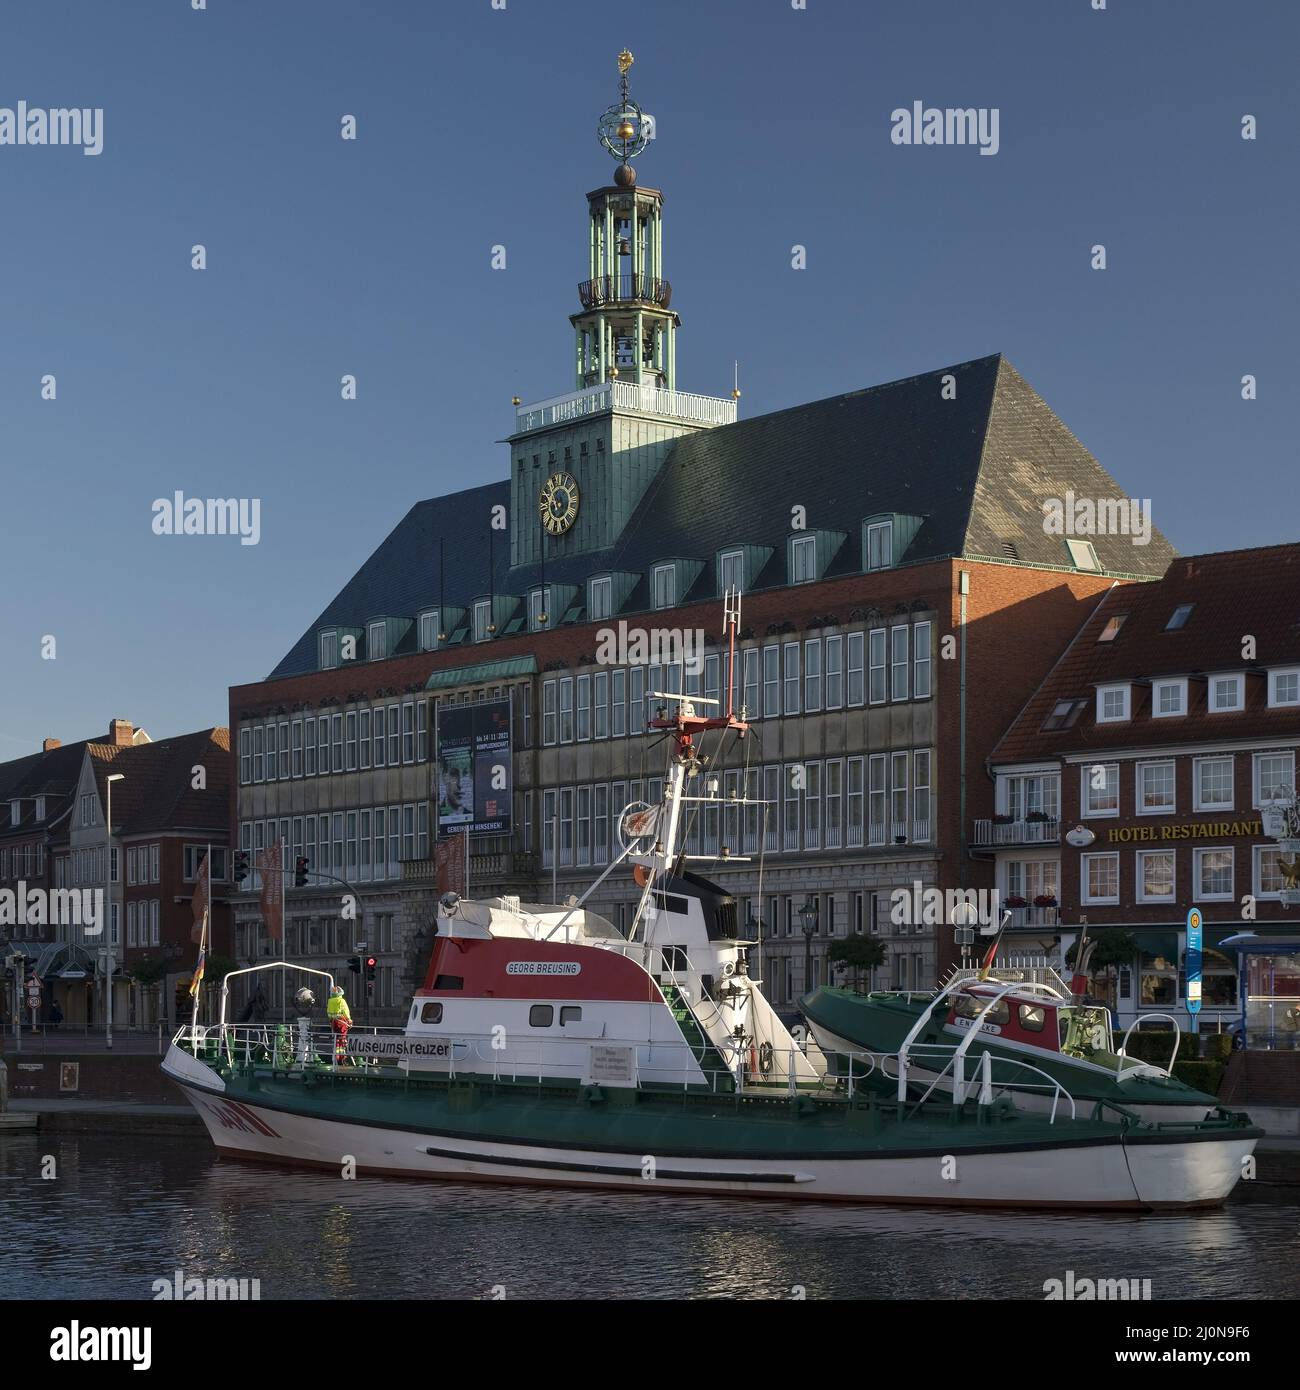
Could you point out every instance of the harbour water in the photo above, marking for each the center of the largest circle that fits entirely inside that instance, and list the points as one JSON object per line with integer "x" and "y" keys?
{"x": 123, "y": 1212}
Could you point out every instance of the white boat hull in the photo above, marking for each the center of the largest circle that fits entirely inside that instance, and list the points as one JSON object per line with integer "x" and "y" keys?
{"x": 1097, "y": 1175}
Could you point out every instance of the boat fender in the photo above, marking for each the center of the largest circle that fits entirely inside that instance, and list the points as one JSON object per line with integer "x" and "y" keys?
{"x": 765, "y": 1058}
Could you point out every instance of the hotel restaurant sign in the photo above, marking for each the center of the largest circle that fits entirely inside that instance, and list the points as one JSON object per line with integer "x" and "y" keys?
{"x": 1184, "y": 830}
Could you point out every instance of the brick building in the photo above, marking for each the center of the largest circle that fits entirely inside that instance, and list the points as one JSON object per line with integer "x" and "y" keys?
{"x": 903, "y": 599}
{"x": 1170, "y": 724}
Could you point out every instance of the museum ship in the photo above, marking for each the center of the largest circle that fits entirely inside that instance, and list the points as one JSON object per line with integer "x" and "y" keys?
{"x": 546, "y": 1047}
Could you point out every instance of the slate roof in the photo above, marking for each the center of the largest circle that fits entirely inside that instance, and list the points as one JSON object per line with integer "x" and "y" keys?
{"x": 157, "y": 793}
{"x": 976, "y": 468}
{"x": 1236, "y": 593}
{"x": 52, "y": 775}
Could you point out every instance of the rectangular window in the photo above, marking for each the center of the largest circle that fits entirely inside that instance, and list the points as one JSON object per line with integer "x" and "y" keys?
{"x": 1227, "y": 694}
{"x": 791, "y": 678}
{"x": 351, "y": 837}
{"x": 380, "y": 842}
{"x": 921, "y": 814}
{"x": 600, "y": 824}
{"x": 408, "y": 832}
{"x": 350, "y": 740}
{"x": 856, "y": 692}
{"x": 713, "y": 682}
{"x": 898, "y": 663}
{"x": 1100, "y": 783}
{"x": 771, "y": 808}
{"x": 812, "y": 675}
{"x": 636, "y": 702}
{"x": 1099, "y": 878}
{"x": 880, "y": 545}
{"x": 618, "y": 703}
{"x": 1212, "y": 781}
{"x": 329, "y": 650}
{"x": 855, "y": 821}
{"x": 259, "y": 759}
{"x": 731, "y": 566}
{"x": 1284, "y": 688}
{"x": 750, "y": 663}
{"x": 877, "y": 799}
{"x": 1155, "y": 789}
{"x": 1274, "y": 778}
{"x": 584, "y": 825}
{"x": 566, "y": 709}
{"x": 812, "y": 806}
{"x": 1155, "y": 876}
{"x": 834, "y": 672}
{"x": 790, "y": 806}
{"x": 1112, "y": 704}
{"x": 1212, "y": 873}
{"x": 921, "y": 660}
{"x": 394, "y": 841}
{"x": 539, "y": 609}
{"x": 771, "y": 681}
{"x": 600, "y": 704}
{"x": 803, "y": 559}
{"x": 336, "y": 725}
{"x": 898, "y": 797}
{"x": 245, "y": 757}
{"x": 584, "y": 709}
{"x": 1168, "y": 699}
{"x": 549, "y": 824}
{"x": 377, "y": 640}
{"x": 834, "y": 828}
{"x": 408, "y": 731}
{"x": 296, "y": 746}
{"x": 429, "y": 631}
{"x": 549, "y": 725}
{"x": 1269, "y": 879}
{"x": 566, "y": 827}
{"x": 525, "y": 699}
{"x": 600, "y": 598}
{"x": 272, "y": 766}
{"x": 665, "y": 586}
{"x": 482, "y": 619}
{"x": 394, "y": 735}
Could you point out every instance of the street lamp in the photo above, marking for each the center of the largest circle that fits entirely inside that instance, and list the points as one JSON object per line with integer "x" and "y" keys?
{"x": 964, "y": 917}
{"x": 109, "y": 963}
{"x": 808, "y": 914}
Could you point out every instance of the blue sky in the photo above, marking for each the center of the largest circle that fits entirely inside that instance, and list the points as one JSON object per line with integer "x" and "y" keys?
{"x": 476, "y": 127}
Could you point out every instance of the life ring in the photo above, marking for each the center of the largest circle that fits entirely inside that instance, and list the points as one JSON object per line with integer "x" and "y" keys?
{"x": 765, "y": 1058}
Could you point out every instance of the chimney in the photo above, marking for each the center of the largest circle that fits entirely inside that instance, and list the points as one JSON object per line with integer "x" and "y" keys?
{"x": 50, "y": 745}
{"x": 120, "y": 732}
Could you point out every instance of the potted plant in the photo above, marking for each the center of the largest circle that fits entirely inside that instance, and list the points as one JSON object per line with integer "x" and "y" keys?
{"x": 1001, "y": 819}
{"x": 1037, "y": 817}
{"x": 1015, "y": 900}
{"x": 1045, "y": 900}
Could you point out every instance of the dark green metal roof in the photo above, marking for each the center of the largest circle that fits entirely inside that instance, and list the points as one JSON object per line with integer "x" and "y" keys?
{"x": 482, "y": 671}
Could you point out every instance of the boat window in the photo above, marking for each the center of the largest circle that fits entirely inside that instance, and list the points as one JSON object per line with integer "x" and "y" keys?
{"x": 570, "y": 1013}
{"x": 675, "y": 959}
{"x": 449, "y": 982}
{"x": 1032, "y": 1017}
{"x": 431, "y": 1013}
{"x": 1084, "y": 1032}
{"x": 969, "y": 1006}
{"x": 541, "y": 1015}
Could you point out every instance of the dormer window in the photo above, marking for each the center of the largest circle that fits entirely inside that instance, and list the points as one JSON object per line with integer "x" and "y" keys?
{"x": 429, "y": 629}
{"x": 1112, "y": 704}
{"x": 1284, "y": 688}
{"x": 40, "y": 808}
{"x": 15, "y": 811}
{"x": 803, "y": 559}
{"x": 1168, "y": 699}
{"x": 665, "y": 586}
{"x": 731, "y": 571}
{"x": 482, "y": 619}
{"x": 600, "y": 597}
{"x": 539, "y": 609}
{"x": 880, "y": 544}
{"x": 1083, "y": 556}
{"x": 329, "y": 650}
{"x": 1227, "y": 694}
{"x": 1064, "y": 714}
{"x": 377, "y": 640}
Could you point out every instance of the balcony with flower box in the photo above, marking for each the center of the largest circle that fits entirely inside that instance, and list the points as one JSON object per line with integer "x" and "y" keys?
{"x": 1037, "y": 828}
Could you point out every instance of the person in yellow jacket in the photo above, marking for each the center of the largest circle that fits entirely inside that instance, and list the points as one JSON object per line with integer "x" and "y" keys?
{"x": 340, "y": 1017}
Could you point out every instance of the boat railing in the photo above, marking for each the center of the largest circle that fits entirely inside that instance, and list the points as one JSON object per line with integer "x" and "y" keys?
{"x": 1139, "y": 1067}
{"x": 987, "y": 1080}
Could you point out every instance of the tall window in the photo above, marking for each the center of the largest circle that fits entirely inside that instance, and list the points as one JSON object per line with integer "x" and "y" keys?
{"x": 539, "y": 609}
{"x": 1100, "y": 782}
{"x": 329, "y": 650}
{"x": 731, "y": 568}
{"x": 1212, "y": 780}
{"x": 921, "y": 661}
{"x": 855, "y": 690}
{"x": 482, "y": 619}
{"x": 880, "y": 545}
{"x": 617, "y": 703}
{"x": 803, "y": 559}
{"x": 812, "y": 675}
{"x": 1099, "y": 874}
{"x": 566, "y": 709}
{"x": 1155, "y": 788}
{"x": 377, "y": 641}
{"x": 600, "y": 703}
{"x": 898, "y": 639}
{"x": 429, "y": 631}
{"x": 771, "y": 681}
{"x": 855, "y": 775}
{"x": 834, "y": 672}
{"x": 584, "y": 708}
{"x": 549, "y": 725}
{"x": 791, "y": 678}
{"x": 600, "y": 597}
{"x": 665, "y": 586}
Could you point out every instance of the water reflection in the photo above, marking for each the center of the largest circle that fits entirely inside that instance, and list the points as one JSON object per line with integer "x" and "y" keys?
{"x": 306, "y": 1235}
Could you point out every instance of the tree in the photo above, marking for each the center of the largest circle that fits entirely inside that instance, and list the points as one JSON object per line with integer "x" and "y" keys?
{"x": 1111, "y": 948}
{"x": 858, "y": 953}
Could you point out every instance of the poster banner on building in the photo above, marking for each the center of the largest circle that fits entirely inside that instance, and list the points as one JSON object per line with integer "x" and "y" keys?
{"x": 474, "y": 768}
{"x": 270, "y": 864}
{"x": 202, "y": 891}
{"x": 450, "y": 863}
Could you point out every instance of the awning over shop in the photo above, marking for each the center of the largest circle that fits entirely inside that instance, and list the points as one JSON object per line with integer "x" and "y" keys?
{"x": 483, "y": 671}
{"x": 1267, "y": 943}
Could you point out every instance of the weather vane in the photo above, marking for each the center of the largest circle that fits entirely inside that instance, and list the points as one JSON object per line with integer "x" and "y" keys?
{"x": 622, "y": 128}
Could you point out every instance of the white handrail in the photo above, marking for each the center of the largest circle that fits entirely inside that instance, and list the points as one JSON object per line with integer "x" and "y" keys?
{"x": 1137, "y": 1022}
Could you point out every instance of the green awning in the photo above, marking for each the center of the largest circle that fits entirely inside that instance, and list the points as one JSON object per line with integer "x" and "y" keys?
{"x": 482, "y": 672}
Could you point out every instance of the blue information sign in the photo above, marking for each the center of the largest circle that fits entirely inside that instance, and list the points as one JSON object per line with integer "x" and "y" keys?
{"x": 1194, "y": 933}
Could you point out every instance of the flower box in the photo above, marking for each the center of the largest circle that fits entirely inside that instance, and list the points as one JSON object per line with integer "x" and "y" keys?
{"x": 1015, "y": 901}
{"x": 1045, "y": 900}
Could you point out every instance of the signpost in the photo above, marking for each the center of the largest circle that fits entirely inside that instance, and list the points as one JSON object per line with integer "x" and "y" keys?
{"x": 34, "y": 998}
{"x": 1194, "y": 934}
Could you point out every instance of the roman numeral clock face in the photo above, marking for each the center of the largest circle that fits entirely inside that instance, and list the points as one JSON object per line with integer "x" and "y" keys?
{"x": 558, "y": 503}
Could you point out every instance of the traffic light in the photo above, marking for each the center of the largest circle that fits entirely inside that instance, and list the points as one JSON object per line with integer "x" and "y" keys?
{"x": 370, "y": 970}
{"x": 241, "y": 866}
{"x": 354, "y": 964}
{"x": 300, "y": 870}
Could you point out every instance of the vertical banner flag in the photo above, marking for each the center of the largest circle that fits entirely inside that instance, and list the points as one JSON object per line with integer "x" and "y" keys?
{"x": 270, "y": 864}
{"x": 1195, "y": 928}
{"x": 202, "y": 895}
